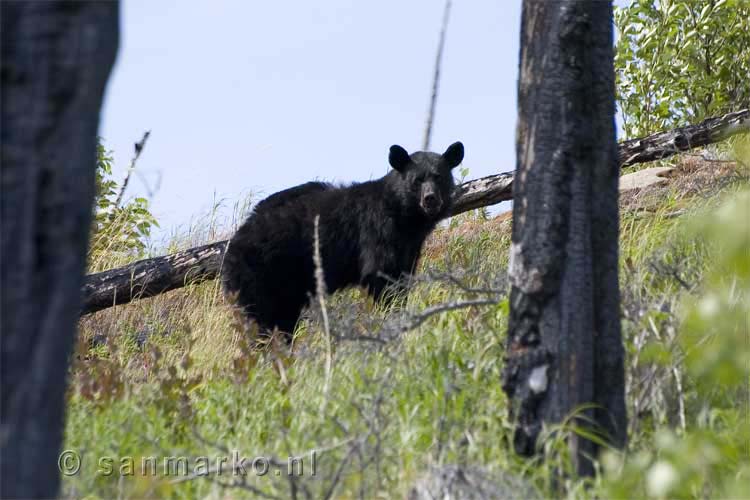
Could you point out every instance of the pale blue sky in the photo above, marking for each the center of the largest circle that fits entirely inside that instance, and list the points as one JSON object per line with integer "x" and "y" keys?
{"x": 247, "y": 96}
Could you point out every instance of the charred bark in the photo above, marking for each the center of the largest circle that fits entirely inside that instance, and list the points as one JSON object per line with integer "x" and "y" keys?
{"x": 56, "y": 58}
{"x": 482, "y": 192}
{"x": 150, "y": 277}
{"x": 564, "y": 348}
{"x": 665, "y": 144}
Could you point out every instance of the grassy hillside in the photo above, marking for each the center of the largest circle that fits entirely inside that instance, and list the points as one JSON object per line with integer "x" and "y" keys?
{"x": 382, "y": 403}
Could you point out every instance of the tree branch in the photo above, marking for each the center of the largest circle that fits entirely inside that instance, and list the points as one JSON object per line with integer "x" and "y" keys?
{"x": 150, "y": 277}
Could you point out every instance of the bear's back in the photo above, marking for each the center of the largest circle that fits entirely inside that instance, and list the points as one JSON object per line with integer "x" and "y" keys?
{"x": 288, "y": 196}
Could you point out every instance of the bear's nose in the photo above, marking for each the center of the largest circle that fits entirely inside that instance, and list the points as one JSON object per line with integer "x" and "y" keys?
{"x": 431, "y": 202}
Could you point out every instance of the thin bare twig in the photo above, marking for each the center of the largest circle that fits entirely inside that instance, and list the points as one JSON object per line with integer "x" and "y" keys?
{"x": 427, "y": 313}
{"x": 436, "y": 78}
{"x": 138, "y": 150}
{"x": 339, "y": 471}
{"x": 214, "y": 474}
{"x": 320, "y": 288}
{"x": 675, "y": 372}
{"x": 244, "y": 485}
{"x": 431, "y": 276}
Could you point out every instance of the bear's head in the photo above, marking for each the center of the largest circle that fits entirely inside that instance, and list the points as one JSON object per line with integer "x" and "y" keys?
{"x": 423, "y": 182}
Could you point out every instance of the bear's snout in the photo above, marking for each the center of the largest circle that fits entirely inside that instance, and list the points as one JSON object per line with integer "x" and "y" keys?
{"x": 431, "y": 201}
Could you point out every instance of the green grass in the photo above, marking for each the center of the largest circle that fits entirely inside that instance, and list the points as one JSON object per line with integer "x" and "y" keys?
{"x": 395, "y": 407}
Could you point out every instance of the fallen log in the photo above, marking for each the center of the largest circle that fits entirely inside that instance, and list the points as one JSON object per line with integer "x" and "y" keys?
{"x": 157, "y": 275}
{"x": 150, "y": 277}
{"x": 665, "y": 144}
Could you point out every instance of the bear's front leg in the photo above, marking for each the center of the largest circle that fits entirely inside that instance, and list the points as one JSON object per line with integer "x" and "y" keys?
{"x": 381, "y": 270}
{"x": 385, "y": 289}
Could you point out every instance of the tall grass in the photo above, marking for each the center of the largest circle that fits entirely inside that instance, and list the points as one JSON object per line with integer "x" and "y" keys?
{"x": 175, "y": 375}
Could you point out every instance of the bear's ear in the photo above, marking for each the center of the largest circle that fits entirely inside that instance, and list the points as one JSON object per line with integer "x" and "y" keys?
{"x": 398, "y": 158}
{"x": 454, "y": 155}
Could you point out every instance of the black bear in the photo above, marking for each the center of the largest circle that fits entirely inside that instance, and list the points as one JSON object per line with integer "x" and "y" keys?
{"x": 370, "y": 234}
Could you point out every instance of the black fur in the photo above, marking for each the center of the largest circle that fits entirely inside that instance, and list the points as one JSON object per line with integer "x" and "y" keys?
{"x": 370, "y": 234}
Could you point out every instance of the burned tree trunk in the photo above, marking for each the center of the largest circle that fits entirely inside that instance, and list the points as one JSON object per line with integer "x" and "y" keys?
{"x": 56, "y": 58}
{"x": 564, "y": 347}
